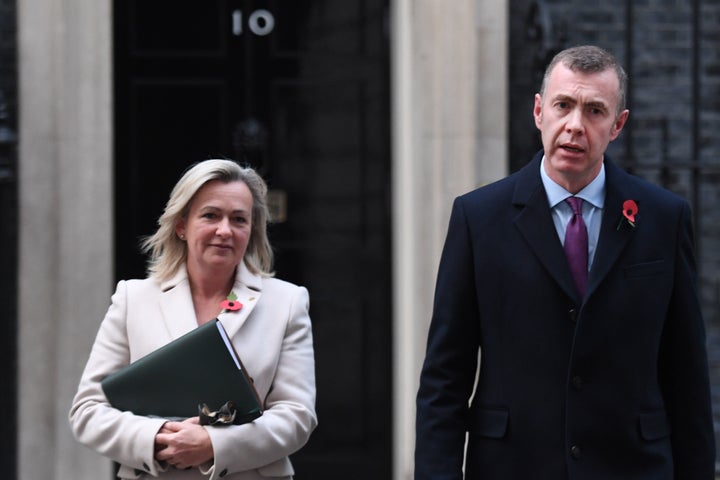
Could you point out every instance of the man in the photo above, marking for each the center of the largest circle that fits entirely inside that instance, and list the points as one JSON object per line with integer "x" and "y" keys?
{"x": 593, "y": 367}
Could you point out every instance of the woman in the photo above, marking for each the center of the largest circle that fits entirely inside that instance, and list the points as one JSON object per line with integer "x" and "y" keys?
{"x": 211, "y": 245}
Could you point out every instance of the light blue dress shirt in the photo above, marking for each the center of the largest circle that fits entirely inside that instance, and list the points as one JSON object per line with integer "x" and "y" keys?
{"x": 594, "y": 201}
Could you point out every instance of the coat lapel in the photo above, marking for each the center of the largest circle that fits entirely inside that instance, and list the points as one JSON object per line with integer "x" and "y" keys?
{"x": 612, "y": 239}
{"x": 178, "y": 311}
{"x": 176, "y": 305}
{"x": 534, "y": 221}
{"x": 248, "y": 288}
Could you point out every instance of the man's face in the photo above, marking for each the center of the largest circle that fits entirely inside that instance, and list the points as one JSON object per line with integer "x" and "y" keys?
{"x": 577, "y": 117}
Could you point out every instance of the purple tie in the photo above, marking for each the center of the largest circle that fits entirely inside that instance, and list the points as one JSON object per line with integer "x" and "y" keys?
{"x": 576, "y": 245}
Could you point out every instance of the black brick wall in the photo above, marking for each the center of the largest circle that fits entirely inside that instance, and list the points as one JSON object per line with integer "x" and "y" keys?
{"x": 8, "y": 237}
{"x": 671, "y": 50}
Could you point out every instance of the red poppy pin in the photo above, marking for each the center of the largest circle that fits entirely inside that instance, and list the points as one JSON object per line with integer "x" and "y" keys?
{"x": 230, "y": 304}
{"x": 630, "y": 209}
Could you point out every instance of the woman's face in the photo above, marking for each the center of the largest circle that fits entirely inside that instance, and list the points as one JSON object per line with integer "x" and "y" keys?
{"x": 218, "y": 226}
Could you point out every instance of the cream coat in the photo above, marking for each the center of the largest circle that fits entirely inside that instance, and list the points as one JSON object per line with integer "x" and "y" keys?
{"x": 272, "y": 334}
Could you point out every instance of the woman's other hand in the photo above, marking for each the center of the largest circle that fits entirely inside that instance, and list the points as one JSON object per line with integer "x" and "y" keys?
{"x": 183, "y": 444}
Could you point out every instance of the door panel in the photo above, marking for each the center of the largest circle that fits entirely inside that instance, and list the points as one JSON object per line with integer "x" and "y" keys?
{"x": 299, "y": 90}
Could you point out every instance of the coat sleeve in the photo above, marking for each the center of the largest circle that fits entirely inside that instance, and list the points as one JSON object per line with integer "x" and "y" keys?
{"x": 289, "y": 416}
{"x": 448, "y": 372}
{"x": 121, "y": 436}
{"x": 684, "y": 368}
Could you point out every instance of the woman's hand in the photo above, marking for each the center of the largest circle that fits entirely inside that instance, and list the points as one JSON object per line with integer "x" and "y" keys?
{"x": 183, "y": 444}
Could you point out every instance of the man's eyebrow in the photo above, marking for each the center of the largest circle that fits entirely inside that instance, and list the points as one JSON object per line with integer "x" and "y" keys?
{"x": 597, "y": 104}
{"x": 564, "y": 98}
{"x": 593, "y": 103}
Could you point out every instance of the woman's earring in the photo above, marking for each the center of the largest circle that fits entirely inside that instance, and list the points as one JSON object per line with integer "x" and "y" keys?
{"x": 182, "y": 236}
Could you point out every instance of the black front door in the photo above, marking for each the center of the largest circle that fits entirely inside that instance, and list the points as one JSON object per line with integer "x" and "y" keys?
{"x": 299, "y": 90}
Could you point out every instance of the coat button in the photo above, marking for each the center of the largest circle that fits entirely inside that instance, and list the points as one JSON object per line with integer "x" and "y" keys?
{"x": 575, "y": 452}
{"x": 223, "y": 473}
{"x": 577, "y": 382}
{"x": 573, "y": 314}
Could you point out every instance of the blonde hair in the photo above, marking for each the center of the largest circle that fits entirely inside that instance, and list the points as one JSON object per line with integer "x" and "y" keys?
{"x": 168, "y": 253}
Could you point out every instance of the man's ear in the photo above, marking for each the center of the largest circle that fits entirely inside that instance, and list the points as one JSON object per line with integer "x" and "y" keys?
{"x": 619, "y": 124}
{"x": 537, "y": 111}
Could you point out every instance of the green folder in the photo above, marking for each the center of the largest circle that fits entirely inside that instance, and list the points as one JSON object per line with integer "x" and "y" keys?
{"x": 171, "y": 382}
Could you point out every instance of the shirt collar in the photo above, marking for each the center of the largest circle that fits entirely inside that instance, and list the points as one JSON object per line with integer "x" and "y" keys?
{"x": 593, "y": 193}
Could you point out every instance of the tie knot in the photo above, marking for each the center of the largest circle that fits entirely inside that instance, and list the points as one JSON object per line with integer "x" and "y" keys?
{"x": 575, "y": 204}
